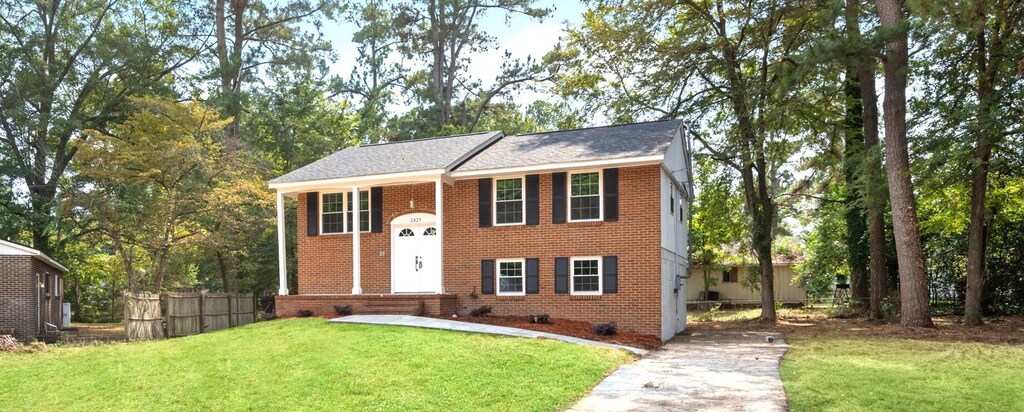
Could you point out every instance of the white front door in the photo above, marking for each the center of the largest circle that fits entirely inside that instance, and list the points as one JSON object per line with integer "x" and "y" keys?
{"x": 415, "y": 254}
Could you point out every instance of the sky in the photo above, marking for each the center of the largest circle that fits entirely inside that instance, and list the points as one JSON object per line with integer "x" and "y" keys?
{"x": 520, "y": 36}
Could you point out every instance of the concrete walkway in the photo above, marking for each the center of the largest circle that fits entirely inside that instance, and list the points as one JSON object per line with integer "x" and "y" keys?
{"x": 445, "y": 324}
{"x": 717, "y": 371}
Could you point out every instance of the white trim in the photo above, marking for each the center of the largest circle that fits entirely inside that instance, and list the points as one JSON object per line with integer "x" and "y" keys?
{"x": 345, "y": 230}
{"x": 357, "y": 263}
{"x": 494, "y": 200}
{"x": 600, "y": 275}
{"x": 33, "y": 252}
{"x": 369, "y": 180}
{"x": 282, "y": 257}
{"x": 587, "y": 164}
{"x": 497, "y": 276}
{"x": 439, "y": 227}
{"x": 600, "y": 195}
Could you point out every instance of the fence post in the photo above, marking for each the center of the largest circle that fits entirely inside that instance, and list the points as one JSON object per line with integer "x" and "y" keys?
{"x": 202, "y": 314}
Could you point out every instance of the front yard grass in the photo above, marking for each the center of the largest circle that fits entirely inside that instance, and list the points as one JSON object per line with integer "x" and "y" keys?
{"x": 856, "y": 373}
{"x": 308, "y": 364}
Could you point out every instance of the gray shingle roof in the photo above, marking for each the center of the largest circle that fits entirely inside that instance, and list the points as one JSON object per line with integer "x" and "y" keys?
{"x": 395, "y": 157}
{"x": 595, "y": 143}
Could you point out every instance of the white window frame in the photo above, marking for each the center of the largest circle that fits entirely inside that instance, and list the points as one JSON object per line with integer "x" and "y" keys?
{"x": 600, "y": 195}
{"x": 494, "y": 200}
{"x": 600, "y": 275}
{"x": 345, "y": 229}
{"x": 498, "y": 277}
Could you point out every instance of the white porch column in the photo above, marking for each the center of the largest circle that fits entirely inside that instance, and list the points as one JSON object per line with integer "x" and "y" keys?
{"x": 439, "y": 213}
{"x": 356, "y": 286}
{"x": 282, "y": 259}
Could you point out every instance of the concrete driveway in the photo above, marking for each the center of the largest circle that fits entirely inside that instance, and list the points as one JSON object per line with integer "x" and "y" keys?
{"x": 706, "y": 371}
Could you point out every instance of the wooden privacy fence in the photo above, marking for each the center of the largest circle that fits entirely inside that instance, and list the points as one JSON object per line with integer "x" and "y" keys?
{"x": 190, "y": 313}
{"x": 142, "y": 320}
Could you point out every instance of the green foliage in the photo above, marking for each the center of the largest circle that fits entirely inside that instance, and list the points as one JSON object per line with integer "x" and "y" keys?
{"x": 826, "y": 250}
{"x": 711, "y": 314}
{"x": 329, "y": 367}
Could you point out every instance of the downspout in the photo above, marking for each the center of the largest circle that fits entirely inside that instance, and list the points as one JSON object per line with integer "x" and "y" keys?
{"x": 38, "y": 318}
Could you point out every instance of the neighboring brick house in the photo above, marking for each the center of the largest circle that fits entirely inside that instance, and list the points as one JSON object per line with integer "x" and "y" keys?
{"x": 587, "y": 224}
{"x": 31, "y": 289}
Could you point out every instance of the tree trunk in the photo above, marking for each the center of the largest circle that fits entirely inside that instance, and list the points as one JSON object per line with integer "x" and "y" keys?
{"x": 913, "y": 282}
{"x": 976, "y": 240}
{"x": 853, "y": 159}
{"x": 223, "y": 271}
{"x": 870, "y": 164}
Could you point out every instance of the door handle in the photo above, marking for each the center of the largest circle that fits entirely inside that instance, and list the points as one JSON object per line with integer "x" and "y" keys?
{"x": 419, "y": 263}
{"x": 416, "y": 264}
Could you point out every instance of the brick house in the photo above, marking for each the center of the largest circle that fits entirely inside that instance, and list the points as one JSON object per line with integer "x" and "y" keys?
{"x": 31, "y": 288}
{"x": 587, "y": 224}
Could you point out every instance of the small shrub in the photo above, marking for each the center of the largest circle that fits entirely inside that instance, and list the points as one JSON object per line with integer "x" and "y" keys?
{"x": 305, "y": 313}
{"x": 542, "y": 319}
{"x": 8, "y": 343}
{"x": 268, "y": 315}
{"x": 481, "y": 311}
{"x": 891, "y": 306}
{"x": 343, "y": 310}
{"x": 778, "y": 305}
{"x": 606, "y": 329}
{"x": 710, "y": 314}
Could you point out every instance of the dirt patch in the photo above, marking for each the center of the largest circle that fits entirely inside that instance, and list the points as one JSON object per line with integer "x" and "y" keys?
{"x": 95, "y": 331}
{"x": 1008, "y": 330}
{"x": 574, "y": 328}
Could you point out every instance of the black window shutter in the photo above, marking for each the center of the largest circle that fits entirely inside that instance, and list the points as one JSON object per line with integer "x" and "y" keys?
{"x": 487, "y": 276}
{"x": 561, "y": 275}
{"x": 611, "y": 195}
{"x": 312, "y": 213}
{"x": 558, "y": 197}
{"x": 610, "y": 267}
{"x": 376, "y": 209}
{"x": 532, "y": 275}
{"x": 533, "y": 199}
{"x": 484, "y": 192}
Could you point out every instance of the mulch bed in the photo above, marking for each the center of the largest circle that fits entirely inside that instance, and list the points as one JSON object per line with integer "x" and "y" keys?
{"x": 574, "y": 328}
{"x": 1007, "y": 330}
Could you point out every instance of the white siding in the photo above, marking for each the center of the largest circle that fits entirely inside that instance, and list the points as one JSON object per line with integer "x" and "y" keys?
{"x": 674, "y": 238}
{"x": 785, "y": 291}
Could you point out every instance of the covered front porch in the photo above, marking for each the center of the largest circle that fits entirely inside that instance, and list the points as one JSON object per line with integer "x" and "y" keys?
{"x": 397, "y": 249}
{"x": 367, "y": 304}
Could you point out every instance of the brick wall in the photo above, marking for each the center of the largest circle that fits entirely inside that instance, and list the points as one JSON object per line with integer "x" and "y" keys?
{"x": 17, "y": 296}
{"x": 325, "y": 260}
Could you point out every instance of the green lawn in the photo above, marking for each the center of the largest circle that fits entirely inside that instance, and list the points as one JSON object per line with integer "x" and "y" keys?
{"x": 846, "y": 373}
{"x": 308, "y": 364}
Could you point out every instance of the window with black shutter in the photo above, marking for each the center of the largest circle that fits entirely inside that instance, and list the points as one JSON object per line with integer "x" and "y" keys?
{"x": 561, "y": 275}
{"x": 487, "y": 276}
{"x": 484, "y": 202}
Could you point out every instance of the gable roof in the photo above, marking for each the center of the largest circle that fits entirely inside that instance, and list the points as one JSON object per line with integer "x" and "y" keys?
{"x": 492, "y": 150}
{"x": 395, "y": 157}
{"x": 8, "y": 248}
{"x": 594, "y": 143}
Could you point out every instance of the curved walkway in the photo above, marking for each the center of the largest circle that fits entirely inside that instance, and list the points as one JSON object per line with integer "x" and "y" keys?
{"x": 708, "y": 371}
{"x": 445, "y": 324}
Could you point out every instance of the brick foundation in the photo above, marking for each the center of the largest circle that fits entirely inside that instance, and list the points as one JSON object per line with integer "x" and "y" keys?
{"x": 323, "y": 305}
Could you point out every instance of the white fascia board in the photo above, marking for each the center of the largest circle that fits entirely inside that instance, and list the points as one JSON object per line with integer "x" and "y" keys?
{"x": 419, "y": 176}
{"x": 586, "y": 164}
{"x": 27, "y": 251}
